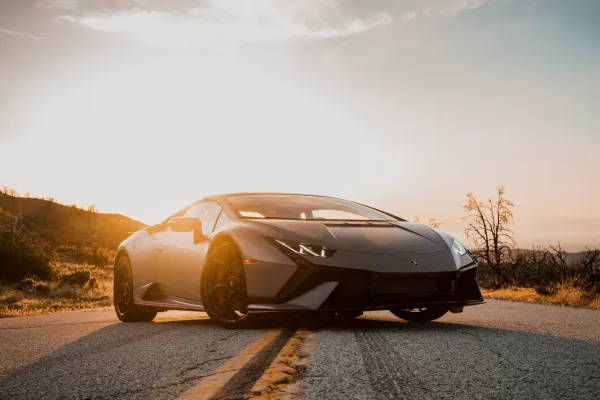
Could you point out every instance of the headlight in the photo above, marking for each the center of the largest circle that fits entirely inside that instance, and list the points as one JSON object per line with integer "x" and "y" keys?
{"x": 306, "y": 249}
{"x": 458, "y": 248}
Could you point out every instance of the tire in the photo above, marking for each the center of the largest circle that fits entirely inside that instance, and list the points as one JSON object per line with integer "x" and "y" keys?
{"x": 223, "y": 286}
{"x": 125, "y": 308}
{"x": 422, "y": 315}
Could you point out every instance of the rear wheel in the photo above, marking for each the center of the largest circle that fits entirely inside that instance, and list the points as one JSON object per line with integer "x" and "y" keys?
{"x": 126, "y": 309}
{"x": 419, "y": 314}
{"x": 223, "y": 286}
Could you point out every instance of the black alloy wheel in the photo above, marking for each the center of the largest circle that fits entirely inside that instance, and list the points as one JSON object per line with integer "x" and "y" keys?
{"x": 223, "y": 286}
{"x": 126, "y": 309}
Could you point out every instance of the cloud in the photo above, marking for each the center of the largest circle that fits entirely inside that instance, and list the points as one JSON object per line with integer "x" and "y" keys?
{"x": 200, "y": 23}
{"x": 58, "y": 4}
{"x": 424, "y": 8}
{"x": 218, "y": 23}
{"x": 20, "y": 34}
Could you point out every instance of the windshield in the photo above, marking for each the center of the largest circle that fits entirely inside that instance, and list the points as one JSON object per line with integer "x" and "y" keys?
{"x": 280, "y": 206}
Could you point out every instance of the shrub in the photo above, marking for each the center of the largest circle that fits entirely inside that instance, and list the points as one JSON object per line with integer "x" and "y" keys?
{"x": 590, "y": 293}
{"x": 26, "y": 283}
{"x": 543, "y": 291}
{"x": 67, "y": 291}
{"x": 79, "y": 278}
{"x": 79, "y": 254}
{"x": 42, "y": 288}
{"x": 15, "y": 306}
{"x": 544, "y": 268}
{"x": 19, "y": 257}
{"x": 93, "y": 283}
{"x": 593, "y": 288}
{"x": 13, "y": 298}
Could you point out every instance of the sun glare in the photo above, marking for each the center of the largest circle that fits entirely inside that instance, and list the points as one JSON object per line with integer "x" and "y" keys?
{"x": 150, "y": 129}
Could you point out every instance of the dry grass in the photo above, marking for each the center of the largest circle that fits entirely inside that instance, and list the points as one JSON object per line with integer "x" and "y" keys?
{"x": 40, "y": 297}
{"x": 564, "y": 295}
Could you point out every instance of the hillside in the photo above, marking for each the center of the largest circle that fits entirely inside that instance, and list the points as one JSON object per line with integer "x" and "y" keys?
{"x": 66, "y": 225}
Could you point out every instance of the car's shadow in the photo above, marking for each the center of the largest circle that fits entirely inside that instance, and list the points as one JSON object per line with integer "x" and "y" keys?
{"x": 316, "y": 322}
{"x": 163, "y": 358}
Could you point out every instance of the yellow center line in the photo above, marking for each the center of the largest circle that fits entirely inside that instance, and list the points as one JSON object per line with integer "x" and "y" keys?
{"x": 282, "y": 379}
{"x": 212, "y": 383}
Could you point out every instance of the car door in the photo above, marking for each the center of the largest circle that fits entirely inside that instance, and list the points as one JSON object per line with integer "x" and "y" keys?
{"x": 162, "y": 259}
{"x": 160, "y": 235}
{"x": 145, "y": 258}
{"x": 186, "y": 258}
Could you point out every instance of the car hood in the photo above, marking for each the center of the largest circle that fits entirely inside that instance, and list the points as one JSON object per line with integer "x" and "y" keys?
{"x": 372, "y": 237}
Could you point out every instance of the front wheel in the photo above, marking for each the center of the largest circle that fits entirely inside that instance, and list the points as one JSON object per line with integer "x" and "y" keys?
{"x": 126, "y": 309}
{"x": 223, "y": 286}
{"x": 419, "y": 314}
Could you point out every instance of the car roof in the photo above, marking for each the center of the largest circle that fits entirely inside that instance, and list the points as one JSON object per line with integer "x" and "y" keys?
{"x": 263, "y": 193}
{"x": 225, "y": 195}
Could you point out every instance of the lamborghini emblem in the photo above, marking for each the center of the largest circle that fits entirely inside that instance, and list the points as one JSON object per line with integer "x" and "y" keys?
{"x": 414, "y": 262}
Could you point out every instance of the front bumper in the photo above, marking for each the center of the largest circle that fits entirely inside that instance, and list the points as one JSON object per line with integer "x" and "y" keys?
{"x": 318, "y": 287}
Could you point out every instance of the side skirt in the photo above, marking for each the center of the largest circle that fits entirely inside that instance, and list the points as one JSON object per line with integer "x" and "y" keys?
{"x": 151, "y": 295}
{"x": 172, "y": 303}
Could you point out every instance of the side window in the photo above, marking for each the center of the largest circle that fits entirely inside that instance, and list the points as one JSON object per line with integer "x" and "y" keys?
{"x": 207, "y": 211}
{"x": 335, "y": 214}
{"x": 223, "y": 219}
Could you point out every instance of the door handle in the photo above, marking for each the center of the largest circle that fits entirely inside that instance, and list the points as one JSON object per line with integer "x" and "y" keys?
{"x": 158, "y": 248}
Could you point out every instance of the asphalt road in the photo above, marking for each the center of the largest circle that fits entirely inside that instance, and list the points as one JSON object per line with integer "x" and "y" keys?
{"x": 494, "y": 351}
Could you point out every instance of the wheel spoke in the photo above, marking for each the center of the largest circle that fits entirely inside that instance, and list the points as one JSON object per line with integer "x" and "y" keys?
{"x": 227, "y": 285}
{"x": 123, "y": 301}
{"x": 122, "y": 289}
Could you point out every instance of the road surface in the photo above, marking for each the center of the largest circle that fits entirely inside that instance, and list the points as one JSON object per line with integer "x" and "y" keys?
{"x": 494, "y": 351}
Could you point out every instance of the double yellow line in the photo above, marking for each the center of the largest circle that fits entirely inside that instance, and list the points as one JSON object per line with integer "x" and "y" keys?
{"x": 275, "y": 361}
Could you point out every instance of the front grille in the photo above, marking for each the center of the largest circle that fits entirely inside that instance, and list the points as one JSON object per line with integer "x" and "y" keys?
{"x": 365, "y": 291}
{"x": 361, "y": 288}
{"x": 402, "y": 286}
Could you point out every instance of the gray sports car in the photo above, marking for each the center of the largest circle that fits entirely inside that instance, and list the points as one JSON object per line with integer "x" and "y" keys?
{"x": 242, "y": 254}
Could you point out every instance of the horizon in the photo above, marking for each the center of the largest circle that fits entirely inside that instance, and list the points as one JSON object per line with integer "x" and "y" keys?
{"x": 143, "y": 107}
{"x": 455, "y": 227}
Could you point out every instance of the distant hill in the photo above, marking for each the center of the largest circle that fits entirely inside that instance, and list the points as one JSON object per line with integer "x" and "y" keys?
{"x": 68, "y": 224}
{"x": 574, "y": 235}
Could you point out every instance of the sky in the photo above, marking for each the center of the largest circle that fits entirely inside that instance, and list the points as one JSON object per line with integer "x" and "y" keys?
{"x": 144, "y": 106}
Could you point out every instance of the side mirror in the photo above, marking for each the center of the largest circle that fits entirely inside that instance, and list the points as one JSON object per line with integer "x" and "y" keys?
{"x": 188, "y": 224}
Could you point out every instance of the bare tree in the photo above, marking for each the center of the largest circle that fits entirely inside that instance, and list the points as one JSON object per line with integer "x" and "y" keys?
{"x": 92, "y": 221}
{"x": 558, "y": 263}
{"x": 489, "y": 223}
{"x": 583, "y": 268}
{"x": 432, "y": 222}
{"x": 590, "y": 262}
